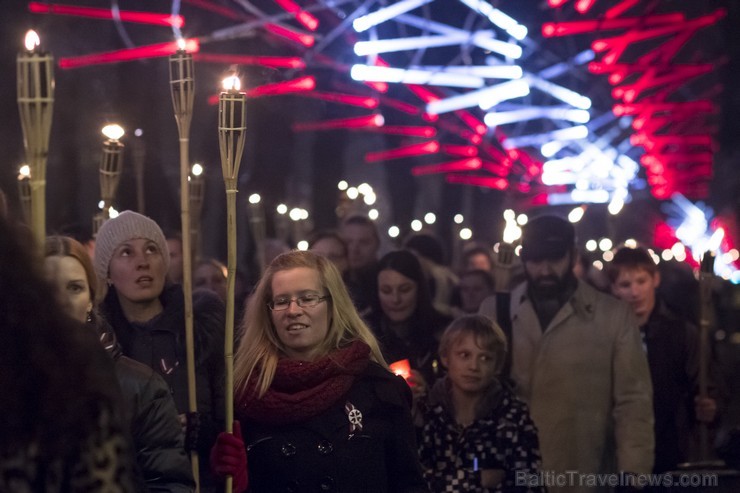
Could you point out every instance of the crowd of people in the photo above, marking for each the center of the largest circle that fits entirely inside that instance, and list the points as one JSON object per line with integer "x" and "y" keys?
{"x": 356, "y": 370}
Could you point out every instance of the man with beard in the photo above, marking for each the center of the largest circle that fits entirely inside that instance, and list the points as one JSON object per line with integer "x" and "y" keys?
{"x": 577, "y": 361}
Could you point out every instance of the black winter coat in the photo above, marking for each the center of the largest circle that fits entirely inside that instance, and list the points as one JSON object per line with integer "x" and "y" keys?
{"x": 673, "y": 356}
{"x": 322, "y": 454}
{"x": 160, "y": 344}
{"x": 162, "y": 463}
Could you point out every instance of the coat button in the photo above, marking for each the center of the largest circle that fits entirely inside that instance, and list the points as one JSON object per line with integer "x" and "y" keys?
{"x": 325, "y": 447}
{"x": 292, "y": 487}
{"x": 288, "y": 449}
{"x": 327, "y": 484}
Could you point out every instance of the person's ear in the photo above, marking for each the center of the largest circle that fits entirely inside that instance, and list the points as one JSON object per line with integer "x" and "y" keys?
{"x": 443, "y": 359}
{"x": 656, "y": 279}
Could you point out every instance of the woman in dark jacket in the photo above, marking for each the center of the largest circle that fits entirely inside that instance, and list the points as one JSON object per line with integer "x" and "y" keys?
{"x": 317, "y": 407}
{"x": 149, "y": 408}
{"x": 148, "y": 318}
{"x": 405, "y": 322}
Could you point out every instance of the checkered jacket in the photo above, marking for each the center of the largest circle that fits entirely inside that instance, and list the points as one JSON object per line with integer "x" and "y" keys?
{"x": 504, "y": 437}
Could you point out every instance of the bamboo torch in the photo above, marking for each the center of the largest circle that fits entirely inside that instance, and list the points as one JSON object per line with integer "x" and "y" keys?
{"x": 182, "y": 87}
{"x": 196, "y": 185}
{"x": 24, "y": 192}
{"x": 35, "y": 103}
{"x": 706, "y": 278}
{"x": 111, "y": 164}
{"x": 232, "y": 126}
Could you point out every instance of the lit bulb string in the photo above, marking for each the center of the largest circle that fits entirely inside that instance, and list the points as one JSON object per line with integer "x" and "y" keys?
{"x": 646, "y": 87}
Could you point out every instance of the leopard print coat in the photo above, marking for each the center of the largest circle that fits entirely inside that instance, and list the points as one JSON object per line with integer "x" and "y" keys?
{"x": 99, "y": 462}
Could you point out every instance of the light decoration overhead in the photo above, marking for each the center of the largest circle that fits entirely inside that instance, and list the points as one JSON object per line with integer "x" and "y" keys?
{"x": 176, "y": 21}
{"x": 443, "y": 98}
{"x": 570, "y": 133}
{"x": 654, "y": 85}
{"x": 383, "y": 14}
{"x": 483, "y": 39}
{"x": 496, "y": 71}
{"x": 496, "y": 118}
{"x": 497, "y": 17}
{"x": 305, "y": 18}
{"x": 410, "y": 76}
{"x": 697, "y": 227}
{"x": 129, "y": 54}
{"x": 486, "y": 97}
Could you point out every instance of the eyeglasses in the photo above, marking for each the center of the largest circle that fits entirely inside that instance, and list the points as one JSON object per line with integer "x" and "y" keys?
{"x": 305, "y": 301}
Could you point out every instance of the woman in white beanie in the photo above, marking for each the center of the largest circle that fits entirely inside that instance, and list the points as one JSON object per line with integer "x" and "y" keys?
{"x": 148, "y": 317}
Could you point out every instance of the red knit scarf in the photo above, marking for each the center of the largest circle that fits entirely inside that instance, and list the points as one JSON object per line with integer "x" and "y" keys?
{"x": 302, "y": 390}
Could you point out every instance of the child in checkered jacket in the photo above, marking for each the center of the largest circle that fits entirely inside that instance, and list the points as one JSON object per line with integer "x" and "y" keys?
{"x": 475, "y": 435}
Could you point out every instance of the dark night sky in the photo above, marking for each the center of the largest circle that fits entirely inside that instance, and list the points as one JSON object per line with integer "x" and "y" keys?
{"x": 137, "y": 95}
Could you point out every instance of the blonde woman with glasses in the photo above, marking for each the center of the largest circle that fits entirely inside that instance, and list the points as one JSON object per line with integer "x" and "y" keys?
{"x": 315, "y": 403}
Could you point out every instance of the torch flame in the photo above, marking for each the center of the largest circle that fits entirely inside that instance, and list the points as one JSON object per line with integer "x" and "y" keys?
{"x": 197, "y": 169}
{"x": 181, "y": 44}
{"x": 113, "y": 131}
{"x": 24, "y": 172}
{"x": 512, "y": 232}
{"x": 32, "y": 40}
{"x": 232, "y": 83}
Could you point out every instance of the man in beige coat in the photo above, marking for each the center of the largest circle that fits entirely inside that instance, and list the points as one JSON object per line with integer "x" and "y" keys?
{"x": 579, "y": 364}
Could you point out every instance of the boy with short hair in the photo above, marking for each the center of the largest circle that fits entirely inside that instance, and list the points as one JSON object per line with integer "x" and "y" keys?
{"x": 672, "y": 346}
{"x": 476, "y": 435}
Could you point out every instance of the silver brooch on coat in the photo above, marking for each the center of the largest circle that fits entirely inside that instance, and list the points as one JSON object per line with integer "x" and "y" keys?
{"x": 355, "y": 418}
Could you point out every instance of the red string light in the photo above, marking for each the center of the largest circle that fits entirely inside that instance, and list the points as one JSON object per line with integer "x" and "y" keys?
{"x": 409, "y": 131}
{"x": 218, "y": 9}
{"x": 356, "y": 123}
{"x": 128, "y": 54}
{"x": 348, "y": 99}
{"x": 431, "y": 147}
{"x": 307, "y": 83}
{"x": 97, "y": 13}
{"x": 306, "y": 40}
{"x": 302, "y": 16}
{"x": 478, "y": 181}
{"x": 471, "y": 164}
{"x": 457, "y": 150}
{"x": 264, "y": 61}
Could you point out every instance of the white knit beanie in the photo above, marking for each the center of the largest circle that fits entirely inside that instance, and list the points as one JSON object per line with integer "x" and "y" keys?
{"x": 128, "y": 225}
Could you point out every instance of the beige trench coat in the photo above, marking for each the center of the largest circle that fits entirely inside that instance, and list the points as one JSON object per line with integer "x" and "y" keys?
{"x": 587, "y": 383}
